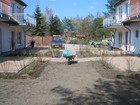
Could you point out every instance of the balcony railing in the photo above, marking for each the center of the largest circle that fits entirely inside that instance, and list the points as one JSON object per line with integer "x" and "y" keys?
{"x": 20, "y": 18}
{"x": 23, "y": 19}
{"x": 109, "y": 21}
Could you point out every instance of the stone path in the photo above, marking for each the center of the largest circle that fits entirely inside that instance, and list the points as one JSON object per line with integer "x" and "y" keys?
{"x": 14, "y": 64}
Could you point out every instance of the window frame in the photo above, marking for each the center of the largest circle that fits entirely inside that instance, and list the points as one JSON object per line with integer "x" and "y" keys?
{"x": 19, "y": 38}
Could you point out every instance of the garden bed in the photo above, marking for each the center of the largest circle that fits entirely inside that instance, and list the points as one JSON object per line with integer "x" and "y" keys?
{"x": 32, "y": 71}
{"x": 35, "y": 52}
{"x": 110, "y": 72}
{"x": 99, "y": 52}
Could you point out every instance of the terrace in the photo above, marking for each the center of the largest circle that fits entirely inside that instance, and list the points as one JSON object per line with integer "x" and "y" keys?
{"x": 22, "y": 19}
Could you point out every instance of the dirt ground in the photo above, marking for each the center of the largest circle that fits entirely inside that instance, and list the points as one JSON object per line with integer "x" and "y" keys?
{"x": 77, "y": 84}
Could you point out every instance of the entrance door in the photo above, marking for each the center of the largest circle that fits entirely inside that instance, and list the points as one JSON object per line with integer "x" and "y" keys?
{"x": 126, "y": 40}
{"x": 0, "y": 41}
{"x": 13, "y": 40}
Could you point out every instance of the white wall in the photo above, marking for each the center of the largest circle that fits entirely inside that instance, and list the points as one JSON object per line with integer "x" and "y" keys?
{"x": 134, "y": 46}
{"x": 16, "y": 14}
{"x": 16, "y": 4}
{"x": 123, "y": 11}
{"x": 135, "y": 42}
{"x": 5, "y": 30}
{"x": 6, "y": 36}
{"x": 123, "y": 45}
{"x": 17, "y": 29}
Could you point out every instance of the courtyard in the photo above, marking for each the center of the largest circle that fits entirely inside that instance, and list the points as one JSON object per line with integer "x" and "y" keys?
{"x": 89, "y": 81}
{"x": 78, "y": 84}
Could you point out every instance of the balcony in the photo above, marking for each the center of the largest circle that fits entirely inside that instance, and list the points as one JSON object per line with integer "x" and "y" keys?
{"x": 22, "y": 19}
{"x": 111, "y": 22}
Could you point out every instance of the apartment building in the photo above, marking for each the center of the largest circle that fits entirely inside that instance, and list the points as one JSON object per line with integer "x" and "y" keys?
{"x": 125, "y": 25}
{"x": 13, "y": 25}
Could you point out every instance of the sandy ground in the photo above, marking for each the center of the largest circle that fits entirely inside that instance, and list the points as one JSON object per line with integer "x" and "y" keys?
{"x": 77, "y": 84}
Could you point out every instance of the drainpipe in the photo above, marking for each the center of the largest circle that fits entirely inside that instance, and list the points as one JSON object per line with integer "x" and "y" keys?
{"x": 129, "y": 35}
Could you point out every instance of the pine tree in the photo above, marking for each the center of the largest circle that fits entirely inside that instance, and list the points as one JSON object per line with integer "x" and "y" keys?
{"x": 40, "y": 29}
{"x": 110, "y": 7}
{"x": 55, "y": 26}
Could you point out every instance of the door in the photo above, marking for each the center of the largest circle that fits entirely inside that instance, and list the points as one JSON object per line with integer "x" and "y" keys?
{"x": 0, "y": 41}
{"x": 12, "y": 40}
{"x": 126, "y": 40}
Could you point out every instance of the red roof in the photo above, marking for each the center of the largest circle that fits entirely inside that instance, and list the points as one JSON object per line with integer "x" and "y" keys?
{"x": 126, "y": 19}
{"x": 81, "y": 36}
{"x": 68, "y": 34}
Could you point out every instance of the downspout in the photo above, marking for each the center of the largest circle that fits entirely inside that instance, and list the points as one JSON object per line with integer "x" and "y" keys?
{"x": 129, "y": 35}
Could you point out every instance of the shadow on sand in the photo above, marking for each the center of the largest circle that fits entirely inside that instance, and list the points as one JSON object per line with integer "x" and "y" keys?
{"x": 104, "y": 92}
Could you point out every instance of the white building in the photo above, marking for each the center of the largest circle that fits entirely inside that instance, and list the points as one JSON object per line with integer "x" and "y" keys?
{"x": 125, "y": 25}
{"x": 13, "y": 25}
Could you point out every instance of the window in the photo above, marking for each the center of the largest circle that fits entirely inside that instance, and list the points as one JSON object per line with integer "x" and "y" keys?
{"x": 120, "y": 37}
{"x": 13, "y": 9}
{"x": 19, "y": 38}
{"x": 137, "y": 33}
{"x": 120, "y": 13}
{"x": 126, "y": 9}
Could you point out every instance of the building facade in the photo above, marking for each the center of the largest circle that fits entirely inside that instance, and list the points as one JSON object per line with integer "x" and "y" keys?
{"x": 125, "y": 25}
{"x": 13, "y": 25}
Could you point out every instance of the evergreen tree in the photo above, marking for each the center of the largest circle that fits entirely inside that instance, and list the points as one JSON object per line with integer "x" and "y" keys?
{"x": 55, "y": 26}
{"x": 110, "y": 7}
{"x": 40, "y": 29}
{"x": 67, "y": 24}
{"x": 98, "y": 31}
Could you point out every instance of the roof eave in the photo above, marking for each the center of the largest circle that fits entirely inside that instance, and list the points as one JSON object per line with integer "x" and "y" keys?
{"x": 21, "y": 2}
{"x": 118, "y": 3}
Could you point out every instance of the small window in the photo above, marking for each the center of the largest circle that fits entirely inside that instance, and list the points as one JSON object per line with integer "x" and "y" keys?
{"x": 137, "y": 33}
{"x": 19, "y": 38}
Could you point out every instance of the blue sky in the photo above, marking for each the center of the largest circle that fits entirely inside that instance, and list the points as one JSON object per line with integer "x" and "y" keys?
{"x": 68, "y": 8}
